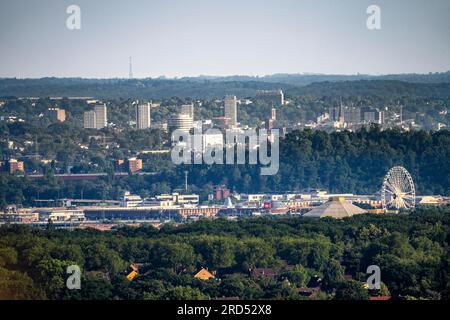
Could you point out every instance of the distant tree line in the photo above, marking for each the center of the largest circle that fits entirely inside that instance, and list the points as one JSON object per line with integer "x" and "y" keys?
{"x": 202, "y": 88}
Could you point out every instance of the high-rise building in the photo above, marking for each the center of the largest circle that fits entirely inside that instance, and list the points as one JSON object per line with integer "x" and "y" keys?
{"x": 95, "y": 119}
{"x": 180, "y": 121}
{"x": 56, "y": 114}
{"x": 89, "y": 119}
{"x": 143, "y": 120}
{"x": 230, "y": 106}
{"x": 188, "y": 109}
{"x": 101, "y": 119}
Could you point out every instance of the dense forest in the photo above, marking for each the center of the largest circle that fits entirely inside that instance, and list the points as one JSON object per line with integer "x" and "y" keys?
{"x": 206, "y": 88}
{"x": 329, "y": 255}
{"x": 377, "y": 88}
{"x": 341, "y": 162}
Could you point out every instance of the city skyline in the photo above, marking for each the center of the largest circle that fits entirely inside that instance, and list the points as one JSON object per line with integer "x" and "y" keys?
{"x": 180, "y": 38}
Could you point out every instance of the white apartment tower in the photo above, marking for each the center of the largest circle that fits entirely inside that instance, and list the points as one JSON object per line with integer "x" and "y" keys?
{"x": 143, "y": 120}
{"x": 89, "y": 120}
{"x": 231, "y": 110}
{"x": 95, "y": 119}
{"x": 101, "y": 119}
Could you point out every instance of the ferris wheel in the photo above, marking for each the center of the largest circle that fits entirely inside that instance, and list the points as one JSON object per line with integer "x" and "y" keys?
{"x": 398, "y": 189}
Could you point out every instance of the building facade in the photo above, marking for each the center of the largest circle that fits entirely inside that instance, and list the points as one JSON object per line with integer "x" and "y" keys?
{"x": 230, "y": 106}
{"x": 56, "y": 114}
{"x": 188, "y": 109}
{"x": 89, "y": 120}
{"x": 134, "y": 165}
{"x": 101, "y": 119}
{"x": 143, "y": 120}
{"x": 181, "y": 122}
{"x": 97, "y": 118}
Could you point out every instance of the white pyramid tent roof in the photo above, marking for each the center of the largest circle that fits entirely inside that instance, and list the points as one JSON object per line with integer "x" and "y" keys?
{"x": 337, "y": 207}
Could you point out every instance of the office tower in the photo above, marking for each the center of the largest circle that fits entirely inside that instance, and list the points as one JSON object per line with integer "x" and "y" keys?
{"x": 101, "y": 120}
{"x": 56, "y": 114}
{"x": 231, "y": 110}
{"x": 188, "y": 109}
{"x": 95, "y": 119}
{"x": 89, "y": 119}
{"x": 180, "y": 121}
{"x": 143, "y": 120}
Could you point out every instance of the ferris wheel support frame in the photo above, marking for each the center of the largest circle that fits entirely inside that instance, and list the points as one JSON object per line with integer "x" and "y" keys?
{"x": 399, "y": 184}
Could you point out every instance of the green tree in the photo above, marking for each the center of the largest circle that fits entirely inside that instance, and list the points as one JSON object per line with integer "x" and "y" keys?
{"x": 333, "y": 275}
{"x": 351, "y": 290}
{"x": 185, "y": 293}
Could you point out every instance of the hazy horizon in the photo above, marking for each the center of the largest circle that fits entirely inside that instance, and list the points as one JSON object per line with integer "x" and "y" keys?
{"x": 219, "y": 39}
{"x": 231, "y": 76}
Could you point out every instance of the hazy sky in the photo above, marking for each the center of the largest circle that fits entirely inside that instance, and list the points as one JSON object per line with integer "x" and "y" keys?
{"x": 212, "y": 37}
